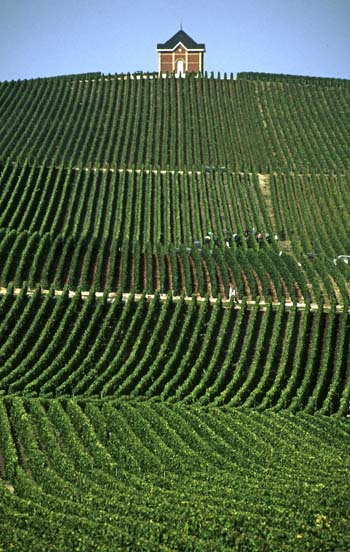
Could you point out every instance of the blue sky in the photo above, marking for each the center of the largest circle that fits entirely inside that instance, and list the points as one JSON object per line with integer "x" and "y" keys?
{"x": 42, "y": 38}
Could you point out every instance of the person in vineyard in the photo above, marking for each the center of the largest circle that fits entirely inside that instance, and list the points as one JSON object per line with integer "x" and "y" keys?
{"x": 237, "y": 239}
{"x": 232, "y": 293}
{"x": 247, "y": 236}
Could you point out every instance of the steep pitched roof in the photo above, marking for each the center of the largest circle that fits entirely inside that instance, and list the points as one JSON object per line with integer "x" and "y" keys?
{"x": 182, "y": 37}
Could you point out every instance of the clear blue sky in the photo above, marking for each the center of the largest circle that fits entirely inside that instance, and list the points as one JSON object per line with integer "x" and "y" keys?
{"x": 41, "y": 38}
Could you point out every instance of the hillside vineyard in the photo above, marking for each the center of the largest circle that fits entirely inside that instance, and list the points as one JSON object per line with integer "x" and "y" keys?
{"x": 174, "y": 313}
{"x": 246, "y": 124}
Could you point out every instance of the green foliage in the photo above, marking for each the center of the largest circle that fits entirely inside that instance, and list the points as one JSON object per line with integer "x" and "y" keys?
{"x": 180, "y": 421}
{"x": 212, "y": 121}
{"x": 170, "y": 477}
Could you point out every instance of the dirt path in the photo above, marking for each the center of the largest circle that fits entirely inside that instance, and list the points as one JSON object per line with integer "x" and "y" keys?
{"x": 264, "y": 184}
{"x": 164, "y": 296}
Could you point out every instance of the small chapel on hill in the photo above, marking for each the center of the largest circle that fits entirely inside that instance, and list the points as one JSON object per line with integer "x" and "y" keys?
{"x": 180, "y": 55}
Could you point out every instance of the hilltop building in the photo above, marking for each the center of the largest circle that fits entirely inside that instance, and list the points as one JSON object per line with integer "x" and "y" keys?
{"x": 180, "y": 55}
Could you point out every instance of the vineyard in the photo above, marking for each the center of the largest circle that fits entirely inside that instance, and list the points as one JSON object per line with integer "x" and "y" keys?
{"x": 246, "y": 123}
{"x": 174, "y": 313}
{"x": 145, "y": 230}
{"x": 165, "y": 477}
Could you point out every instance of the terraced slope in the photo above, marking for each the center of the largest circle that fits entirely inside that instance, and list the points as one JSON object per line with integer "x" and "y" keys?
{"x": 73, "y": 262}
{"x": 174, "y": 351}
{"x": 152, "y": 206}
{"x": 136, "y": 230}
{"x": 174, "y": 422}
{"x": 245, "y": 124}
{"x": 138, "y": 205}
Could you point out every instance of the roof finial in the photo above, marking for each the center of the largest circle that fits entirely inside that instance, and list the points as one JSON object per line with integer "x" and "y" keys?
{"x": 181, "y": 25}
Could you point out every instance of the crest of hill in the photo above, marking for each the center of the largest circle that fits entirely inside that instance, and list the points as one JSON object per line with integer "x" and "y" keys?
{"x": 299, "y": 79}
{"x": 242, "y": 75}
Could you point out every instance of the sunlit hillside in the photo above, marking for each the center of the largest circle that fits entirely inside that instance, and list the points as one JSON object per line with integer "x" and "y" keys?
{"x": 174, "y": 313}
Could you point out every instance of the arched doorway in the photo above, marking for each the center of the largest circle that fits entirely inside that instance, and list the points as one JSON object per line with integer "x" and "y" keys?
{"x": 180, "y": 69}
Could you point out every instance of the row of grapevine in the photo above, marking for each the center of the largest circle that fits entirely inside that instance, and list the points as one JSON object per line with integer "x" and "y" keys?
{"x": 152, "y": 207}
{"x": 143, "y": 206}
{"x": 138, "y": 476}
{"x": 78, "y": 262}
{"x": 297, "y": 79}
{"x": 306, "y": 206}
{"x": 174, "y": 351}
{"x": 321, "y": 149}
{"x": 248, "y": 124}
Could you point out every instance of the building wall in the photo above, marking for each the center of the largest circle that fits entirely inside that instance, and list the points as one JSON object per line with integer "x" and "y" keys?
{"x": 193, "y": 61}
{"x": 166, "y": 62}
